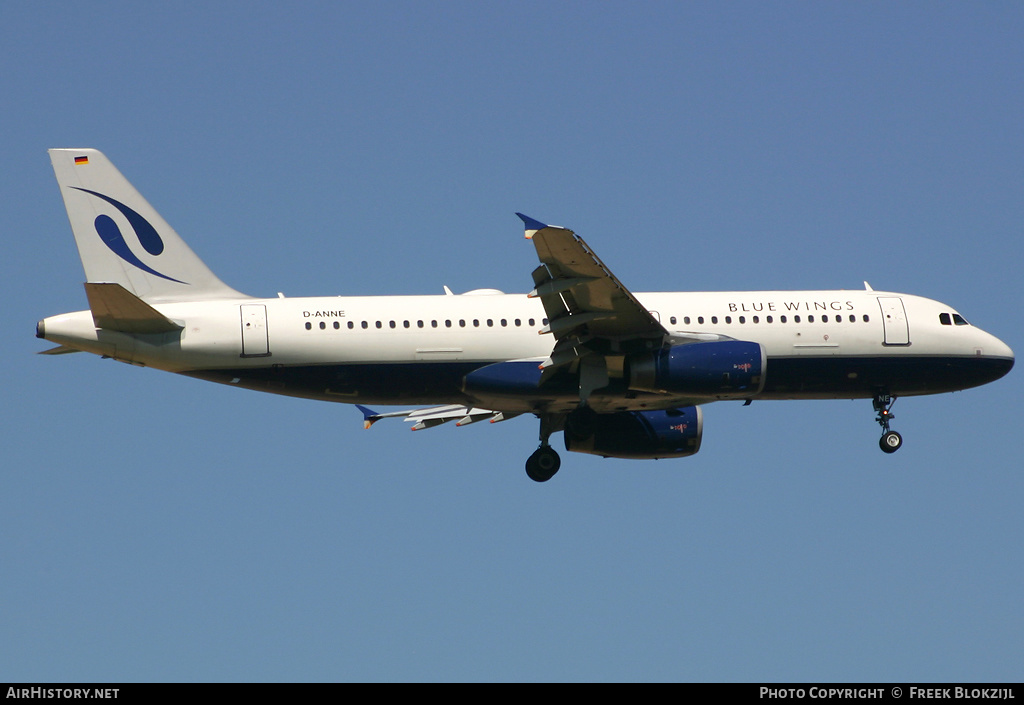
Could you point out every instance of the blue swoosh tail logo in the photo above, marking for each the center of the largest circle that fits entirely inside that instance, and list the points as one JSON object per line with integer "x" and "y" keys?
{"x": 113, "y": 238}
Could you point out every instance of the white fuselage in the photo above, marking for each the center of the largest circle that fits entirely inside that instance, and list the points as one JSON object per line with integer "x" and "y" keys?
{"x": 819, "y": 344}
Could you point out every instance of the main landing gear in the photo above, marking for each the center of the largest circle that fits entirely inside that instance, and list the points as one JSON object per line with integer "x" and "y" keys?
{"x": 890, "y": 441}
{"x": 544, "y": 463}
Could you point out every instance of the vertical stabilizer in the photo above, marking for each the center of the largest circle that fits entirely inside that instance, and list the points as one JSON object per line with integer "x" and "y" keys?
{"x": 122, "y": 240}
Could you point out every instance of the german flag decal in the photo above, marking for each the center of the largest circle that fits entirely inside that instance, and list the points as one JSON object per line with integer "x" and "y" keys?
{"x": 81, "y": 160}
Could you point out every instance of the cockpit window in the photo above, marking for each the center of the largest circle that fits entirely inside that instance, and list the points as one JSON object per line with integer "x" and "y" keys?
{"x": 951, "y": 319}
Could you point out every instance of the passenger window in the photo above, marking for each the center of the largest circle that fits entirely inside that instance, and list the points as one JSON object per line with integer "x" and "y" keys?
{"x": 379, "y": 325}
{"x": 433, "y": 324}
{"x": 462, "y": 323}
{"x": 756, "y": 320}
{"x": 700, "y": 320}
{"x": 853, "y": 319}
{"x": 714, "y": 319}
{"x": 365, "y": 325}
{"x": 490, "y": 323}
{"x": 391, "y": 323}
{"x": 532, "y": 323}
{"x": 768, "y": 319}
{"x": 866, "y": 319}
{"x": 810, "y": 319}
{"x": 672, "y": 320}
{"x": 686, "y": 320}
{"x": 351, "y": 325}
{"x": 309, "y": 326}
{"x": 728, "y": 319}
{"x": 796, "y": 319}
{"x": 743, "y": 319}
{"x": 782, "y": 319}
{"x": 337, "y": 325}
{"x": 322, "y": 325}
{"x": 519, "y": 322}
{"x": 476, "y": 322}
{"x": 447, "y": 323}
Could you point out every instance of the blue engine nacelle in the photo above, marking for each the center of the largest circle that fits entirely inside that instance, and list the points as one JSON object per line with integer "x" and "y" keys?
{"x": 669, "y": 433}
{"x": 726, "y": 369}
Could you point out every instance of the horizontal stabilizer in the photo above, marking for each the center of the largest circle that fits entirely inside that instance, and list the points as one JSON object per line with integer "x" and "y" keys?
{"x": 59, "y": 350}
{"x": 116, "y": 308}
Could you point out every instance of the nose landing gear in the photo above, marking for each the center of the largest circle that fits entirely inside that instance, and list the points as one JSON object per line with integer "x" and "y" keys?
{"x": 890, "y": 442}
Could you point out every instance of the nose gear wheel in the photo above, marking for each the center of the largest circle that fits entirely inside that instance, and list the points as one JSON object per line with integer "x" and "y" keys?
{"x": 891, "y": 441}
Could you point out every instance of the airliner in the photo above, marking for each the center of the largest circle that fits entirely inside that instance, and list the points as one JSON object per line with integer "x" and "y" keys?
{"x": 620, "y": 374}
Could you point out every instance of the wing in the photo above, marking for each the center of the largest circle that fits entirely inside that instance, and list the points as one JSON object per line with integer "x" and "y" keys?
{"x": 590, "y": 312}
{"x": 435, "y": 416}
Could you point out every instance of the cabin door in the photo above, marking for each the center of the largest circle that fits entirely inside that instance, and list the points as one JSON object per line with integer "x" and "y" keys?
{"x": 255, "y": 339}
{"x": 894, "y": 320}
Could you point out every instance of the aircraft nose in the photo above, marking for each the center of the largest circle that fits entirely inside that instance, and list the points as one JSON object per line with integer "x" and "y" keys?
{"x": 1000, "y": 354}
{"x": 1001, "y": 349}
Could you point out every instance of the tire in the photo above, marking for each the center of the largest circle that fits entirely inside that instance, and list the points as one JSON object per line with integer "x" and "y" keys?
{"x": 543, "y": 464}
{"x": 890, "y": 442}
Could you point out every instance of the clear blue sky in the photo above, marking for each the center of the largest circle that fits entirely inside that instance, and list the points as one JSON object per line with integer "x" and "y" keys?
{"x": 159, "y": 528}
